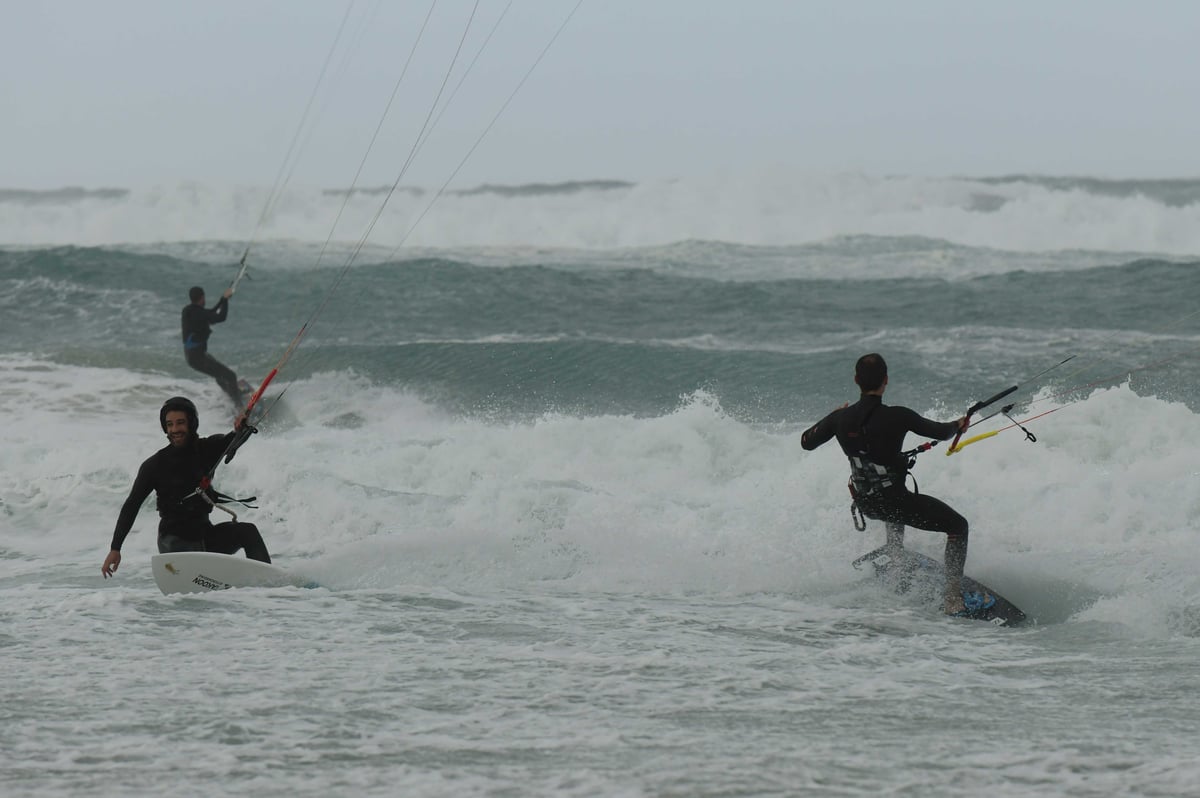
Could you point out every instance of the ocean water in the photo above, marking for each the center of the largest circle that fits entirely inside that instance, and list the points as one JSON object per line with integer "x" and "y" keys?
{"x": 542, "y": 454}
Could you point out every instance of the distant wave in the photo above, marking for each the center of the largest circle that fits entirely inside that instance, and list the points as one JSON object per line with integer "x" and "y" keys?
{"x": 520, "y": 190}
{"x": 765, "y": 208}
{"x": 65, "y": 195}
{"x": 373, "y": 191}
{"x": 542, "y": 189}
{"x": 1174, "y": 192}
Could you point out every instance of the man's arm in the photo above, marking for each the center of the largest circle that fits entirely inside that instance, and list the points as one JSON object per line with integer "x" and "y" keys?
{"x": 142, "y": 486}
{"x": 213, "y": 447}
{"x": 821, "y": 432}
{"x": 219, "y": 312}
{"x": 938, "y": 430}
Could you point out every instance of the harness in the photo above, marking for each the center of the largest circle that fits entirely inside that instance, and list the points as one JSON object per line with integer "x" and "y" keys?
{"x": 216, "y": 499}
{"x": 868, "y": 478}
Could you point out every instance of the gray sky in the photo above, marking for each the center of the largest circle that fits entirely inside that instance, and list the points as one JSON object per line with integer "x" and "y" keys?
{"x": 142, "y": 92}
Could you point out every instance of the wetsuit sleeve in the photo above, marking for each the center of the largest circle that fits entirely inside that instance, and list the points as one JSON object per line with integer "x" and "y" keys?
{"x": 143, "y": 484}
{"x": 219, "y": 311}
{"x": 821, "y": 432}
{"x": 938, "y": 430}
{"x": 213, "y": 448}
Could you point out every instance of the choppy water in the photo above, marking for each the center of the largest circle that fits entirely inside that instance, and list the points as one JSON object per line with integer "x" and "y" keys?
{"x": 550, "y": 480}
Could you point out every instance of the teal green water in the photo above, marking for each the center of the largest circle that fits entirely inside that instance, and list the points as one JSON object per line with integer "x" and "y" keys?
{"x": 519, "y": 338}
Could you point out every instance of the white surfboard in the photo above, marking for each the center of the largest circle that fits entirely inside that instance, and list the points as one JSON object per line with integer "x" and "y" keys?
{"x": 203, "y": 571}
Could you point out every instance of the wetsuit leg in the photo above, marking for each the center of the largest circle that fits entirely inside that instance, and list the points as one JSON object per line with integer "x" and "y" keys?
{"x": 918, "y": 510}
{"x": 955, "y": 556}
{"x": 172, "y": 543}
{"x": 895, "y": 535}
{"x": 229, "y": 537}
{"x": 207, "y": 364}
{"x": 933, "y": 515}
{"x": 926, "y": 512}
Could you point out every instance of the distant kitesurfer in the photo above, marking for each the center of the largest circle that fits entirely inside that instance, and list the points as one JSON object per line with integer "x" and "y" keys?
{"x": 196, "y": 329}
{"x": 174, "y": 473}
{"x": 872, "y": 436}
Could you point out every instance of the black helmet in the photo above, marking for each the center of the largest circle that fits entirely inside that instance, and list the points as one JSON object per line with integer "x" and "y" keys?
{"x": 180, "y": 403}
{"x": 195, "y": 292}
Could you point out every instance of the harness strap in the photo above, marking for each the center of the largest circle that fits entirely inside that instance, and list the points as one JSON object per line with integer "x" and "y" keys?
{"x": 221, "y": 498}
{"x": 217, "y": 500}
{"x": 860, "y": 521}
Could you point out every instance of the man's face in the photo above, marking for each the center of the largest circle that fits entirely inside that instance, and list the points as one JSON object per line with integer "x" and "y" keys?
{"x": 177, "y": 427}
{"x": 199, "y": 300}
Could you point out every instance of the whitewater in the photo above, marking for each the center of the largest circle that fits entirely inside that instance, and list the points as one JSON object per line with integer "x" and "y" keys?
{"x": 541, "y": 452}
{"x": 779, "y": 207}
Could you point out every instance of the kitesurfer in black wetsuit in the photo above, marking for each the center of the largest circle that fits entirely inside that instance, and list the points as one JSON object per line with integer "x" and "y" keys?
{"x": 872, "y": 436}
{"x": 196, "y": 329}
{"x": 174, "y": 473}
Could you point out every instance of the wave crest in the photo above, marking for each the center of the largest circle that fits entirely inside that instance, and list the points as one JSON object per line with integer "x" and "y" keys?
{"x": 1015, "y": 213}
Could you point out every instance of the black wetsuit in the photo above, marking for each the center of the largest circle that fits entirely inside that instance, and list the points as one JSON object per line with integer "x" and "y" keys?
{"x": 196, "y": 329}
{"x": 874, "y": 433}
{"x": 172, "y": 473}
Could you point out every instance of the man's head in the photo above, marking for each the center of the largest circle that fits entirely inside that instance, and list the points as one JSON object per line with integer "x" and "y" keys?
{"x": 196, "y": 295}
{"x": 870, "y": 372}
{"x": 179, "y": 420}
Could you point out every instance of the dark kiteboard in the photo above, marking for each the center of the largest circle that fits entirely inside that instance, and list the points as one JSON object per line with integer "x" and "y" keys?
{"x": 260, "y": 407}
{"x": 911, "y": 573}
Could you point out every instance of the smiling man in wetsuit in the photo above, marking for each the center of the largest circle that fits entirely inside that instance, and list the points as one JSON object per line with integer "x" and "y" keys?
{"x": 872, "y": 436}
{"x": 196, "y": 320}
{"x": 175, "y": 473}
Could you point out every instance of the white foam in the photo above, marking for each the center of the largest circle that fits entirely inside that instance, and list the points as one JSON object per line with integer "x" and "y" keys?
{"x": 779, "y": 208}
{"x": 367, "y": 486}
